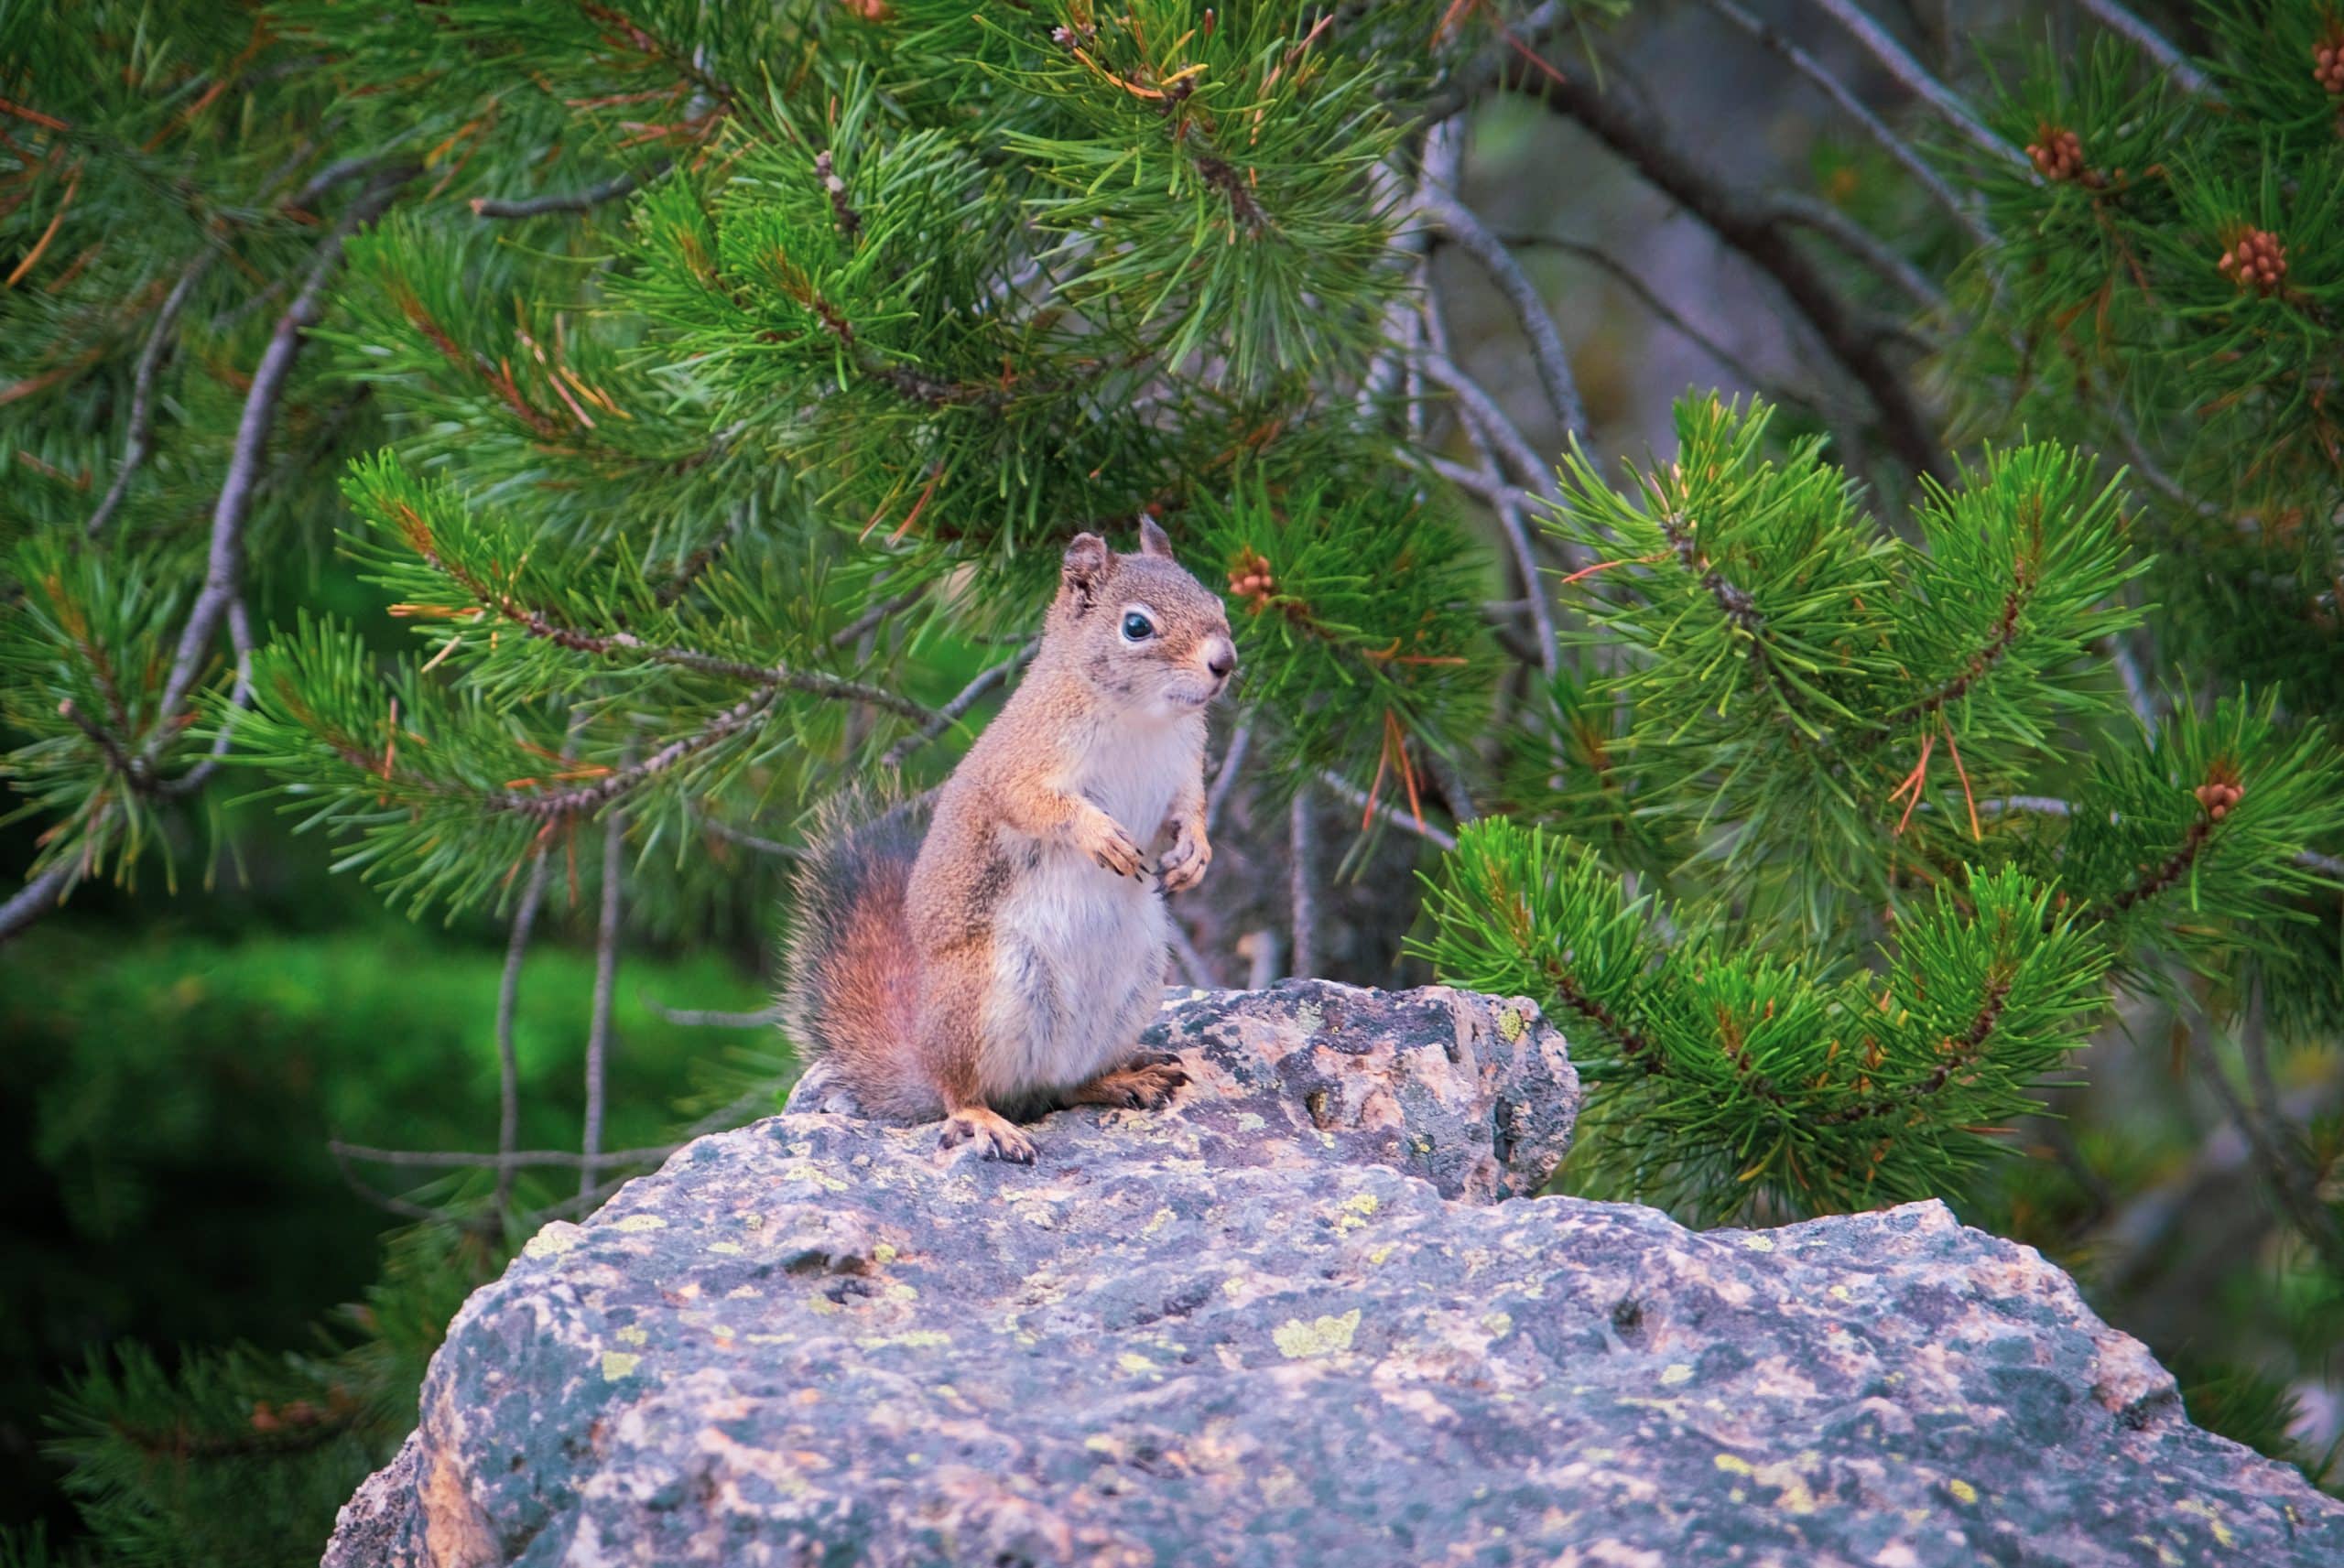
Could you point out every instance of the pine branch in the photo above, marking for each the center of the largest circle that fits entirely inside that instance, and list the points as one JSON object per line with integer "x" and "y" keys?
{"x": 562, "y": 805}
{"x": 1998, "y": 642}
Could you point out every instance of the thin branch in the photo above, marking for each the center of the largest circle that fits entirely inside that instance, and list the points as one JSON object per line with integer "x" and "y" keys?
{"x": 140, "y": 440}
{"x": 1402, "y": 820}
{"x": 1225, "y": 780}
{"x": 1861, "y": 244}
{"x": 1546, "y": 341}
{"x": 2150, "y": 42}
{"x": 748, "y": 840}
{"x": 1899, "y": 63}
{"x": 1303, "y": 901}
{"x": 1480, "y": 412}
{"x": 1750, "y": 228}
{"x": 1839, "y": 92}
{"x": 2136, "y": 689}
{"x": 240, "y": 638}
{"x": 503, "y": 1161}
{"x": 968, "y": 697}
{"x": 606, "y": 965}
{"x": 588, "y": 797}
{"x": 571, "y": 201}
{"x": 1482, "y": 485}
{"x": 847, "y": 635}
{"x": 224, "y": 561}
{"x": 1191, "y": 963}
{"x": 508, "y": 997}
{"x": 1665, "y": 313}
{"x": 701, "y": 1017}
{"x": 35, "y": 899}
{"x": 2295, "y": 1189}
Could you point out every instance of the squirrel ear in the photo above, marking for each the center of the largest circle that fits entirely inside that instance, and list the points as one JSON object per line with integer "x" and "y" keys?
{"x": 1086, "y": 557}
{"x": 1152, "y": 540}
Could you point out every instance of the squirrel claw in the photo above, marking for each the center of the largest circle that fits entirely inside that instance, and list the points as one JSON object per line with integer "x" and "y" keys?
{"x": 996, "y": 1139}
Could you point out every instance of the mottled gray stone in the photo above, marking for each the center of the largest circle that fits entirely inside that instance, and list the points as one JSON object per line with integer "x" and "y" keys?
{"x": 1287, "y": 1321}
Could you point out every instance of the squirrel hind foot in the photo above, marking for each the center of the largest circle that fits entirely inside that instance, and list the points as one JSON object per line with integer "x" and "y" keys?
{"x": 995, "y": 1136}
{"x": 1137, "y": 1086}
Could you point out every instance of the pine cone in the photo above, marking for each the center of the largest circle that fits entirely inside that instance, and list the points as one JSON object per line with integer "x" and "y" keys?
{"x": 2256, "y": 260}
{"x": 2058, "y": 154}
{"x": 2328, "y": 64}
{"x": 1250, "y": 580}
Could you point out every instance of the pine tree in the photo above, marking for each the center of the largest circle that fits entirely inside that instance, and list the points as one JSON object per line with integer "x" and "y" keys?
{"x": 703, "y": 393}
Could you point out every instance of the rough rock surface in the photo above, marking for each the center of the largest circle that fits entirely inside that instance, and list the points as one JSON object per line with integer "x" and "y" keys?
{"x": 1288, "y": 1322}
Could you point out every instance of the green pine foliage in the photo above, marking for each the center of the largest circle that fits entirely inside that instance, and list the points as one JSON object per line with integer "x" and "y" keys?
{"x": 493, "y": 430}
{"x": 1798, "y": 884}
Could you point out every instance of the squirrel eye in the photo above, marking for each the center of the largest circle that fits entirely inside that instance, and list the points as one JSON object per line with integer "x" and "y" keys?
{"x": 1137, "y": 628}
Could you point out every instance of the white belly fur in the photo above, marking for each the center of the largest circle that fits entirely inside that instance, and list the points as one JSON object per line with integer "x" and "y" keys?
{"x": 1075, "y": 943}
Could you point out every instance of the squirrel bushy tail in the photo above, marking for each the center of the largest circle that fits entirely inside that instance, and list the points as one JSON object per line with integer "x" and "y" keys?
{"x": 851, "y": 990}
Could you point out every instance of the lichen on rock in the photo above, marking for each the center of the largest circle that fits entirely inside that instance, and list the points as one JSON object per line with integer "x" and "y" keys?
{"x": 1307, "y": 1315}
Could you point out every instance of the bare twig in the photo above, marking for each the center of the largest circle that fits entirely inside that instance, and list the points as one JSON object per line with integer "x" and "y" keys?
{"x": 571, "y": 201}
{"x": 140, "y": 440}
{"x": 2277, "y": 1147}
{"x": 1750, "y": 228}
{"x": 606, "y": 965}
{"x": 968, "y": 697}
{"x": 1665, "y": 313}
{"x": 1898, "y": 62}
{"x": 35, "y": 899}
{"x": 1546, "y": 352}
{"x": 1225, "y": 780}
{"x": 1480, "y": 413}
{"x": 1483, "y": 485}
{"x": 1185, "y": 954}
{"x": 508, "y": 995}
{"x": 1863, "y": 245}
{"x": 847, "y": 636}
{"x": 748, "y": 840}
{"x": 2150, "y": 42}
{"x": 1350, "y": 792}
{"x": 224, "y": 563}
{"x": 703, "y": 1018}
{"x": 1896, "y": 147}
{"x": 2136, "y": 689}
{"x": 503, "y": 1162}
{"x": 240, "y": 638}
{"x": 1303, "y": 899}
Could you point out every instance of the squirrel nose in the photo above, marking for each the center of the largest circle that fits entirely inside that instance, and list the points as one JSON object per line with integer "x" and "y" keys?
{"x": 1220, "y": 657}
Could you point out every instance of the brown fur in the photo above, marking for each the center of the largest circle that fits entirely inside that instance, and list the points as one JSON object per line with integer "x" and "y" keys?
{"x": 973, "y": 978}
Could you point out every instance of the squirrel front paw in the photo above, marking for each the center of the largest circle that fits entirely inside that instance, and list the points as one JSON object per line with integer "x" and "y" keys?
{"x": 1183, "y": 865}
{"x": 997, "y": 1138}
{"x": 1103, "y": 838}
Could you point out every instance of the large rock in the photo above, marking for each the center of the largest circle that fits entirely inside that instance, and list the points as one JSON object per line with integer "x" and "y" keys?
{"x": 1288, "y": 1320}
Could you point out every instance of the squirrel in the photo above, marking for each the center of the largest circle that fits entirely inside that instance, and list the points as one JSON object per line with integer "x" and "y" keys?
{"x": 1001, "y": 963}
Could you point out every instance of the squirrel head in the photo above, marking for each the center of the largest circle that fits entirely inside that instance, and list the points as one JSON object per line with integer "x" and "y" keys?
{"x": 1138, "y": 628}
